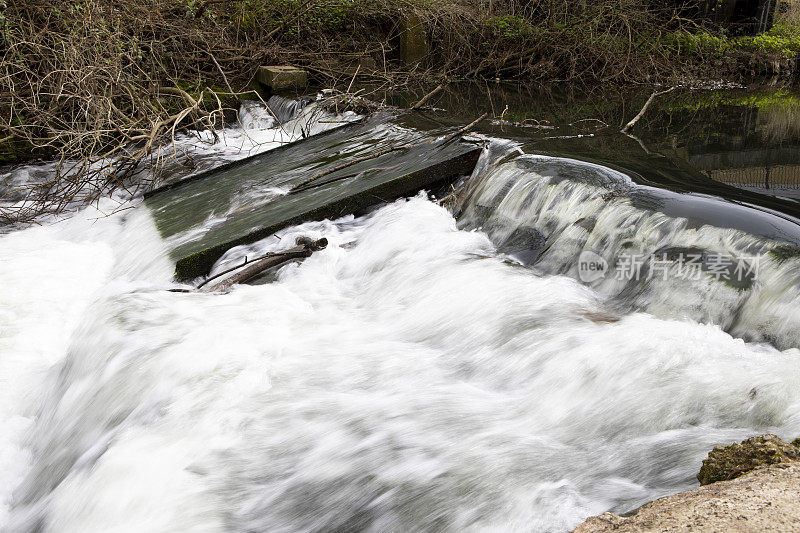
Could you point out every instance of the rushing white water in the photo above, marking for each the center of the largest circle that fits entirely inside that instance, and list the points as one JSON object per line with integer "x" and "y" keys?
{"x": 573, "y": 207}
{"x": 406, "y": 378}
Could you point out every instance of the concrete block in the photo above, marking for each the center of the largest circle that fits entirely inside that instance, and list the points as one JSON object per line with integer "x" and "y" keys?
{"x": 413, "y": 41}
{"x": 278, "y": 78}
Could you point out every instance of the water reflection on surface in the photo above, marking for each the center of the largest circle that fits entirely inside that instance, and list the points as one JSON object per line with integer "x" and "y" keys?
{"x": 742, "y": 144}
{"x": 749, "y": 141}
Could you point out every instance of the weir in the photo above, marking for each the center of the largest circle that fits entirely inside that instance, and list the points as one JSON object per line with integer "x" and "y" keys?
{"x": 342, "y": 171}
{"x": 570, "y": 337}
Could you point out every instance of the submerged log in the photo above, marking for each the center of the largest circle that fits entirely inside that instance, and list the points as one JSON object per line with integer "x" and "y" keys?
{"x": 305, "y": 247}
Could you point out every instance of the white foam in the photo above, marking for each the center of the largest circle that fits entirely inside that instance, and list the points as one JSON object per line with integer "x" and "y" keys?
{"x": 47, "y": 283}
{"x": 576, "y": 206}
{"x": 405, "y": 378}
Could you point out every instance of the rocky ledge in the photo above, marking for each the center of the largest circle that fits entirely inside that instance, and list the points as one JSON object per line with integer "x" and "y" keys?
{"x": 749, "y": 486}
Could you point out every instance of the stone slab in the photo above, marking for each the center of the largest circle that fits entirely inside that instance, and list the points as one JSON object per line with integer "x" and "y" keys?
{"x": 282, "y": 77}
{"x": 202, "y": 217}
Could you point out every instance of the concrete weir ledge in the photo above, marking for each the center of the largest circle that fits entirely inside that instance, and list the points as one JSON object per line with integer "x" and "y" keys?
{"x": 342, "y": 171}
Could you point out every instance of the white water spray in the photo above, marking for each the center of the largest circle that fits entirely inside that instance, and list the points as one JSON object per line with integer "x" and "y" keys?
{"x": 407, "y": 377}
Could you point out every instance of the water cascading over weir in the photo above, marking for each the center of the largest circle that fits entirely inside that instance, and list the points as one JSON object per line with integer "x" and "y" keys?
{"x": 439, "y": 366}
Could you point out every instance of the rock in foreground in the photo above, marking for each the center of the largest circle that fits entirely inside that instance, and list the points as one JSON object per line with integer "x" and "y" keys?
{"x": 753, "y": 485}
{"x": 729, "y": 462}
{"x": 764, "y": 499}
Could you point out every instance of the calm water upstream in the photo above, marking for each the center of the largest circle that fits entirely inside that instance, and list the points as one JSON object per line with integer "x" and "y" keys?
{"x": 572, "y": 336}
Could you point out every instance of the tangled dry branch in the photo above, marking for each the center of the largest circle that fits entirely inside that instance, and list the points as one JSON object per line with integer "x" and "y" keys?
{"x": 100, "y": 97}
{"x": 101, "y": 86}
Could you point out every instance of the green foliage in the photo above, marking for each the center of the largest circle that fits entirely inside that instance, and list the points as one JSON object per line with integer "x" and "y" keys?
{"x": 5, "y": 38}
{"x": 328, "y": 16}
{"x": 783, "y": 39}
{"x": 332, "y": 15}
{"x": 250, "y": 13}
{"x": 510, "y": 27}
{"x": 684, "y": 43}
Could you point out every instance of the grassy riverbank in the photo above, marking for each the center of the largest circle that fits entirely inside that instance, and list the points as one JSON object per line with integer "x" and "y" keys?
{"x": 94, "y": 78}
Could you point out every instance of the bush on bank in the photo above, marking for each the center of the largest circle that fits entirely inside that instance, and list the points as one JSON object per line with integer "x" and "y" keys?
{"x": 88, "y": 78}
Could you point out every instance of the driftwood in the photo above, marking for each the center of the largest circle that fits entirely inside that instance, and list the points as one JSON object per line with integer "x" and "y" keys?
{"x": 465, "y": 129}
{"x": 646, "y": 105}
{"x": 424, "y": 100}
{"x": 305, "y": 247}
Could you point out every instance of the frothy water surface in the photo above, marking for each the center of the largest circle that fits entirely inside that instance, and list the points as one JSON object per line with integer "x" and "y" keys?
{"x": 409, "y": 377}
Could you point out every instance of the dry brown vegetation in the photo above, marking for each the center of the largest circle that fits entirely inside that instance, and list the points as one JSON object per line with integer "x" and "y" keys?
{"x": 99, "y": 84}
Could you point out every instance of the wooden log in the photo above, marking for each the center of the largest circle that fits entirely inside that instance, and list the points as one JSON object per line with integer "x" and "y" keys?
{"x": 305, "y": 247}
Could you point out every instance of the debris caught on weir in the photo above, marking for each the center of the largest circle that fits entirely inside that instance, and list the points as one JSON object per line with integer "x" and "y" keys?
{"x": 248, "y": 270}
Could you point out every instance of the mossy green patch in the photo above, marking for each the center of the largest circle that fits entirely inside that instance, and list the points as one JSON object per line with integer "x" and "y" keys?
{"x": 729, "y": 462}
{"x": 511, "y": 27}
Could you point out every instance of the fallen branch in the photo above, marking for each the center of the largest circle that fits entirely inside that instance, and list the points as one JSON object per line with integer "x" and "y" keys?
{"x": 424, "y": 100}
{"x": 646, "y": 105}
{"x": 231, "y": 269}
{"x": 469, "y": 126}
{"x": 305, "y": 247}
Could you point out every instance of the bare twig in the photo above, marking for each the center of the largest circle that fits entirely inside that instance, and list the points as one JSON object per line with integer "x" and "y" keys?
{"x": 642, "y": 111}
{"x": 424, "y": 100}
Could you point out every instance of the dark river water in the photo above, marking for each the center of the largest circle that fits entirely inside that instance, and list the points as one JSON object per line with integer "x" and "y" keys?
{"x": 706, "y": 141}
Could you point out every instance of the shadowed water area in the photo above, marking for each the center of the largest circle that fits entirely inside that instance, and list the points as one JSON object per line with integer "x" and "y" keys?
{"x": 447, "y": 363}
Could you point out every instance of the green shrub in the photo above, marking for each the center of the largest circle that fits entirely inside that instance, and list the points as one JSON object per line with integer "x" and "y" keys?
{"x": 684, "y": 43}
{"x": 510, "y": 27}
{"x": 783, "y": 39}
{"x": 330, "y": 15}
